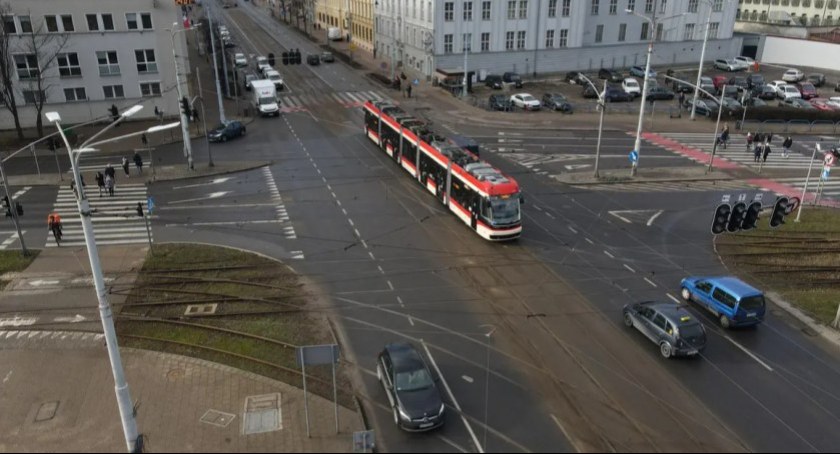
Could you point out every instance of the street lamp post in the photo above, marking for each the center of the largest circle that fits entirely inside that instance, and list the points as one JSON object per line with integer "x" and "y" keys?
{"x": 204, "y": 121}
{"x": 807, "y": 180}
{"x": 602, "y": 105}
{"x": 185, "y": 132}
{"x": 124, "y": 402}
{"x": 720, "y": 110}
{"x": 702, "y": 58}
{"x": 222, "y": 118}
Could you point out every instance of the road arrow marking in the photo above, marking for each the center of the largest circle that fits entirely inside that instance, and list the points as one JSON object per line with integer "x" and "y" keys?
{"x": 78, "y": 318}
{"x": 212, "y": 195}
{"x": 641, "y": 216}
{"x": 40, "y": 282}
{"x": 214, "y": 181}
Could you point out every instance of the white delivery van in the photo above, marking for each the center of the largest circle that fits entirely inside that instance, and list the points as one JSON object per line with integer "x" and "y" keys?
{"x": 334, "y": 34}
{"x": 275, "y": 78}
{"x": 265, "y": 97}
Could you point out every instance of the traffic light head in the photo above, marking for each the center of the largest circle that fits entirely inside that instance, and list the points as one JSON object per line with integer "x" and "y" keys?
{"x": 737, "y": 217}
{"x": 751, "y": 216}
{"x": 780, "y": 210}
{"x": 185, "y": 107}
{"x": 285, "y": 58}
{"x": 721, "y": 219}
{"x": 297, "y": 56}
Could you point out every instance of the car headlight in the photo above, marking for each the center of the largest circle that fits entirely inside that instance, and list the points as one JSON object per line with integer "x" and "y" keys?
{"x": 403, "y": 415}
{"x": 442, "y": 407}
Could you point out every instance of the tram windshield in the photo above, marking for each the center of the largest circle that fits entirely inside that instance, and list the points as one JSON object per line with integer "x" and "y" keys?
{"x": 503, "y": 209}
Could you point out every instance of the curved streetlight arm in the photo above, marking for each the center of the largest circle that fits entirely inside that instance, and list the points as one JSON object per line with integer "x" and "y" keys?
{"x": 131, "y": 111}
{"x": 27, "y": 146}
{"x": 151, "y": 130}
{"x": 690, "y": 85}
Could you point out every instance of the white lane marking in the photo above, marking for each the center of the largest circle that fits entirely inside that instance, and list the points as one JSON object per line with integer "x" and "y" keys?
{"x": 351, "y": 222}
{"x": 589, "y": 241}
{"x": 390, "y": 285}
{"x": 337, "y": 201}
{"x": 364, "y": 245}
{"x": 550, "y": 215}
{"x": 205, "y": 207}
{"x": 17, "y": 321}
{"x": 411, "y": 321}
{"x": 673, "y": 298}
{"x": 357, "y": 233}
{"x": 620, "y": 217}
{"x": 399, "y": 300}
{"x": 212, "y": 195}
{"x": 573, "y": 230}
{"x": 751, "y": 355}
{"x": 371, "y": 256}
{"x": 467, "y": 378}
{"x": 653, "y": 218}
{"x": 11, "y": 239}
{"x": 21, "y": 192}
{"x": 329, "y": 187}
{"x": 650, "y": 282}
{"x": 537, "y": 207}
{"x": 7, "y": 377}
{"x": 380, "y": 269}
{"x": 609, "y": 255}
{"x": 628, "y": 267}
{"x": 214, "y": 181}
{"x": 344, "y": 211}
{"x": 265, "y": 221}
{"x": 452, "y": 397}
{"x": 565, "y": 433}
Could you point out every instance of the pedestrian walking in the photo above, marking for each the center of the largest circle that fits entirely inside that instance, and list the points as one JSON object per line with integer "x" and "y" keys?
{"x": 54, "y": 226}
{"x": 110, "y": 172}
{"x": 115, "y": 113}
{"x": 757, "y": 153}
{"x": 766, "y": 151}
{"x": 125, "y": 167}
{"x": 681, "y": 101}
{"x": 109, "y": 185}
{"x": 144, "y": 140}
{"x": 786, "y": 147}
{"x": 100, "y": 182}
{"x": 73, "y": 184}
{"x": 138, "y": 162}
{"x": 724, "y": 136}
{"x": 769, "y": 137}
{"x": 408, "y": 90}
{"x": 749, "y": 140}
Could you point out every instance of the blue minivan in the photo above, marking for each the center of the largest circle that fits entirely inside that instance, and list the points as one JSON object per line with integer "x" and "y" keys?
{"x": 733, "y": 301}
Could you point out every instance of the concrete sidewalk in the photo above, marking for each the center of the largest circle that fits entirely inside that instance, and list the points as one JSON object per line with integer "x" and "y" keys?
{"x": 57, "y": 391}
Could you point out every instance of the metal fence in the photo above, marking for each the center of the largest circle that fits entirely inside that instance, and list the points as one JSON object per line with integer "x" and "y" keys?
{"x": 789, "y": 126}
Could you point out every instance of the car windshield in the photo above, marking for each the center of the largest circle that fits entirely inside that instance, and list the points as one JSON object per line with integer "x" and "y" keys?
{"x": 274, "y": 76}
{"x": 503, "y": 209}
{"x": 267, "y": 100}
{"x": 414, "y": 380}
{"x": 631, "y": 83}
{"x": 751, "y": 303}
{"x": 691, "y": 331}
{"x": 527, "y": 98}
{"x": 219, "y": 127}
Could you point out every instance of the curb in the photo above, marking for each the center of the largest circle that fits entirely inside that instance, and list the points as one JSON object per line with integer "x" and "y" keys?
{"x": 825, "y": 332}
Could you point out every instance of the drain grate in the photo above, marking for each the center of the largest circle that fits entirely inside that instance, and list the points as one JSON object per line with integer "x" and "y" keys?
{"x": 217, "y": 418}
{"x": 262, "y": 414}
{"x": 201, "y": 309}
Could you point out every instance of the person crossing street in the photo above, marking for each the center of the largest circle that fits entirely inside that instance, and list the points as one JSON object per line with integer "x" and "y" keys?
{"x": 786, "y": 147}
{"x": 54, "y": 225}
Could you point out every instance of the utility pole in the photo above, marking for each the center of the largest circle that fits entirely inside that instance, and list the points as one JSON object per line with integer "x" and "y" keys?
{"x": 185, "y": 131}
{"x": 222, "y": 118}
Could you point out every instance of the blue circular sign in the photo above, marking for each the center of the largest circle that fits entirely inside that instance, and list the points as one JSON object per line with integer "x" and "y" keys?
{"x": 634, "y": 156}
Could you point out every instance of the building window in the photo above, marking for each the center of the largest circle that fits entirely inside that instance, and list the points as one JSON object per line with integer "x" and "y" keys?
{"x": 564, "y": 38}
{"x": 631, "y": 5}
{"x": 25, "y": 24}
{"x": 485, "y": 10}
{"x": 717, "y": 5}
{"x": 552, "y": 8}
{"x": 692, "y": 6}
{"x": 75, "y": 94}
{"x": 149, "y": 89}
{"x": 467, "y": 11}
{"x": 596, "y": 4}
{"x": 663, "y": 5}
{"x": 33, "y": 96}
{"x": 567, "y": 6}
{"x": 688, "y": 35}
{"x": 447, "y": 43}
{"x": 113, "y": 91}
{"x": 622, "y": 32}
{"x": 599, "y": 33}
{"x": 131, "y": 21}
{"x": 466, "y": 42}
{"x": 449, "y": 11}
{"x": 648, "y": 6}
{"x": 145, "y": 61}
{"x": 108, "y": 63}
{"x": 520, "y": 39}
{"x": 549, "y": 39}
{"x": 27, "y": 66}
{"x": 644, "y": 35}
{"x": 68, "y": 65}
{"x": 512, "y": 9}
{"x": 509, "y": 41}
{"x": 9, "y": 25}
{"x": 485, "y": 42}
{"x": 67, "y": 22}
{"x": 660, "y": 29}
{"x": 523, "y": 9}
{"x": 613, "y": 6}
{"x": 713, "y": 30}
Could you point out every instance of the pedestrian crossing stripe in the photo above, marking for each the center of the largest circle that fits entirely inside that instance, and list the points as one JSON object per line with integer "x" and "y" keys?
{"x": 675, "y": 186}
{"x": 299, "y": 103}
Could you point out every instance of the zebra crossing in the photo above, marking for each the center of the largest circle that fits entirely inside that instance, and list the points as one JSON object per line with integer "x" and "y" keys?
{"x": 348, "y": 99}
{"x": 115, "y": 219}
{"x": 826, "y": 189}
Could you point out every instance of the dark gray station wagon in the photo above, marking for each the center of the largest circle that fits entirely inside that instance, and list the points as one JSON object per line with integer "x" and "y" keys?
{"x": 668, "y": 325}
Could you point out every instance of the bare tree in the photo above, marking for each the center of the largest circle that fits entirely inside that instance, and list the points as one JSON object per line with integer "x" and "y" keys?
{"x": 46, "y": 48}
{"x": 7, "y": 71}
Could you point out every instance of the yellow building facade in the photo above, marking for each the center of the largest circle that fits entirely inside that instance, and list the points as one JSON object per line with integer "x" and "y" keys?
{"x": 353, "y": 17}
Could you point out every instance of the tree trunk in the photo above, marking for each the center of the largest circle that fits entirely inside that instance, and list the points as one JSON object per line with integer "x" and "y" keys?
{"x": 18, "y": 128}
{"x": 39, "y": 123}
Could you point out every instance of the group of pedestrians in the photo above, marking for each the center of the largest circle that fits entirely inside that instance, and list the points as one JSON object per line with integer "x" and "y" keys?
{"x": 760, "y": 145}
{"x": 106, "y": 180}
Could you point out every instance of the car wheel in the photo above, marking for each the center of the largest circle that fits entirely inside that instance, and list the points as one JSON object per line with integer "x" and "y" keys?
{"x": 628, "y": 320}
{"x": 396, "y": 416}
{"x": 665, "y": 349}
{"x": 725, "y": 323}
{"x": 686, "y": 294}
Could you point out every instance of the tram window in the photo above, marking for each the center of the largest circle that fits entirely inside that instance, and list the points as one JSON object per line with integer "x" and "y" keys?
{"x": 410, "y": 151}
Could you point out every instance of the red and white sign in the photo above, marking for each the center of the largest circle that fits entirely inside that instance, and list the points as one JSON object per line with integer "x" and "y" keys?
{"x": 829, "y": 159}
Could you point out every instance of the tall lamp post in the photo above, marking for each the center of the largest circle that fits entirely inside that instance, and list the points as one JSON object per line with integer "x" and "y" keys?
{"x": 702, "y": 57}
{"x": 720, "y": 111}
{"x": 124, "y": 402}
{"x": 185, "y": 131}
{"x": 602, "y": 105}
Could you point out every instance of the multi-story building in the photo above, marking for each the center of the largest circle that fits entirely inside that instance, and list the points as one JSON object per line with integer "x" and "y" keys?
{"x": 353, "y": 17}
{"x": 543, "y": 36}
{"x": 790, "y": 12}
{"x": 116, "y": 52}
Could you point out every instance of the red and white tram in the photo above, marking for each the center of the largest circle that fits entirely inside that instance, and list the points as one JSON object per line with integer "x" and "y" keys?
{"x": 480, "y": 195}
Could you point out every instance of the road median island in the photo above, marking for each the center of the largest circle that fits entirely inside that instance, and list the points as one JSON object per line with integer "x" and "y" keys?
{"x": 797, "y": 261}
{"x": 13, "y": 261}
{"x": 230, "y": 307}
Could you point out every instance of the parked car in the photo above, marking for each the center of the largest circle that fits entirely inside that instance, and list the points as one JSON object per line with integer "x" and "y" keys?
{"x": 412, "y": 393}
{"x": 589, "y": 92}
{"x": 557, "y": 102}
{"x": 706, "y": 107}
{"x": 500, "y": 102}
{"x": 719, "y": 81}
{"x": 793, "y": 75}
{"x": 834, "y": 101}
{"x": 615, "y": 94}
{"x": 765, "y": 92}
{"x": 681, "y": 87}
{"x": 740, "y": 82}
{"x": 639, "y": 71}
{"x": 494, "y": 81}
{"x": 248, "y": 79}
{"x": 313, "y": 60}
{"x": 631, "y": 86}
{"x": 745, "y": 62}
{"x": 573, "y": 77}
{"x": 610, "y": 75}
{"x": 818, "y": 79}
{"x": 731, "y": 91}
{"x": 239, "y": 60}
{"x": 660, "y": 94}
{"x": 728, "y": 65}
{"x": 512, "y": 78}
{"x": 823, "y": 104}
{"x": 755, "y": 80}
{"x": 807, "y": 90}
{"x": 778, "y": 87}
{"x": 668, "y": 325}
{"x": 226, "y": 131}
{"x": 731, "y": 105}
{"x": 796, "y": 103}
{"x": 733, "y": 301}
{"x": 525, "y": 101}
{"x": 755, "y": 102}
{"x": 327, "y": 57}
{"x": 789, "y": 92}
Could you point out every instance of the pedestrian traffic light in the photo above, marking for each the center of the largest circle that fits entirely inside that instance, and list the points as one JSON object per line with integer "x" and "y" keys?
{"x": 779, "y": 212}
{"x": 736, "y": 217}
{"x": 721, "y": 218}
{"x": 751, "y": 216}
{"x": 285, "y": 58}
{"x": 185, "y": 107}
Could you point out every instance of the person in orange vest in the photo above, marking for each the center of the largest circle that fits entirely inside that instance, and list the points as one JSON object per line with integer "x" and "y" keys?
{"x": 54, "y": 224}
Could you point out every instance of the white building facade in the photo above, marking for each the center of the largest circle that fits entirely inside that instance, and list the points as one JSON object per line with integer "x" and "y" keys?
{"x": 548, "y": 36}
{"x": 818, "y": 13}
{"x": 118, "y": 52}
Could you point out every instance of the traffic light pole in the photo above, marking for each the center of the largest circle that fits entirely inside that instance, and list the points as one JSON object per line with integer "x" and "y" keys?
{"x": 185, "y": 131}
{"x": 13, "y": 210}
{"x": 807, "y": 179}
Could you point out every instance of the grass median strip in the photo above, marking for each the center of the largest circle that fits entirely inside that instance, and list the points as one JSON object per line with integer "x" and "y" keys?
{"x": 797, "y": 260}
{"x": 13, "y": 261}
{"x": 229, "y": 307}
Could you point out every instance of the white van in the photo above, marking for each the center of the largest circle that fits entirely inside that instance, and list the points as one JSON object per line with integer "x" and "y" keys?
{"x": 334, "y": 34}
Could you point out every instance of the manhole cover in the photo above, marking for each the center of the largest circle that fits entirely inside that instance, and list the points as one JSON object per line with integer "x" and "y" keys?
{"x": 46, "y": 411}
{"x": 217, "y": 418}
{"x": 201, "y": 309}
{"x": 262, "y": 414}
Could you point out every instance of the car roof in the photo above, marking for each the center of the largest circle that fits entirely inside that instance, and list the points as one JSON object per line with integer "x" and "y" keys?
{"x": 733, "y": 285}
{"x": 674, "y": 312}
{"x": 404, "y": 357}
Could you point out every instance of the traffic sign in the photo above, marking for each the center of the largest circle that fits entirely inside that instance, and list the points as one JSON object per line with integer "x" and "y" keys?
{"x": 829, "y": 159}
{"x": 634, "y": 156}
{"x": 150, "y": 204}
{"x": 416, "y": 81}
{"x": 825, "y": 172}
